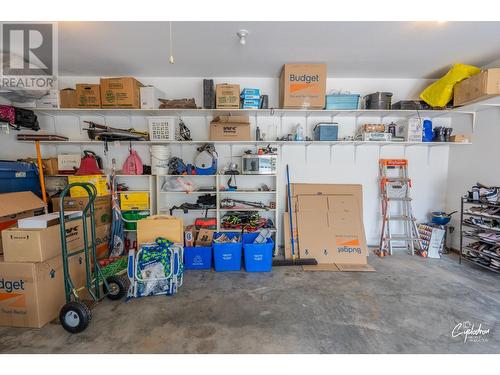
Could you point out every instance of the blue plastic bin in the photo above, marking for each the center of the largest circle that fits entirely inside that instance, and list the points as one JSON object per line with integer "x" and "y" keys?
{"x": 259, "y": 256}
{"x": 19, "y": 176}
{"x": 198, "y": 258}
{"x": 227, "y": 256}
{"x": 342, "y": 101}
{"x": 326, "y": 132}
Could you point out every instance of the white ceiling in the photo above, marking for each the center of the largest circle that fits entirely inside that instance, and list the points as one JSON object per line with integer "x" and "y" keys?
{"x": 212, "y": 49}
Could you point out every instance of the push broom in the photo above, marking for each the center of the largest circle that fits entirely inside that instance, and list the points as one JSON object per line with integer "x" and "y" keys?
{"x": 294, "y": 261}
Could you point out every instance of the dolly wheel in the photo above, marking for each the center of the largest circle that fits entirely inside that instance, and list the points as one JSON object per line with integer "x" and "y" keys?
{"x": 75, "y": 316}
{"x": 118, "y": 287}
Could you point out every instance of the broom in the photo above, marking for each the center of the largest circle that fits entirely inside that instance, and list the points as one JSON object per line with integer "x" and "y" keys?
{"x": 294, "y": 261}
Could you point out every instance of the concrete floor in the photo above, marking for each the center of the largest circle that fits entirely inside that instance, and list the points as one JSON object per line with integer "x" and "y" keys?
{"x": 410, "y": 305}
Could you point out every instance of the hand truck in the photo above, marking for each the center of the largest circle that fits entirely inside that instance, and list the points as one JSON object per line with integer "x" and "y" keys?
{"x": 75, "y": 315}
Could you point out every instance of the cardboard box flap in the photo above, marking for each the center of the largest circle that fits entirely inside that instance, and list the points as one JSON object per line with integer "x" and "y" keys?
{"x": 12, "y": 203}
{"x": 232, "y": 119}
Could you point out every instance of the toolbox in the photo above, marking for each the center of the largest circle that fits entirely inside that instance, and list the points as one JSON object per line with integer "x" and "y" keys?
{"x": 134, "y": 200}
{"x": 326, "y": 131}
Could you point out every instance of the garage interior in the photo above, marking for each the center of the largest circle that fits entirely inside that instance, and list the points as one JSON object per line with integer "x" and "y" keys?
{"x": 253, "y": 187}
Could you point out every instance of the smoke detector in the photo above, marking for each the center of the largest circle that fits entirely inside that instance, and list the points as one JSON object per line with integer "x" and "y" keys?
{"x": 242, "y": 34}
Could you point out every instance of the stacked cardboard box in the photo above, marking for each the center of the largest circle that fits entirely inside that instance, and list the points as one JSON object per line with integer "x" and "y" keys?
{"x": 31, "y": 273}
{"x": 328, "y": 226}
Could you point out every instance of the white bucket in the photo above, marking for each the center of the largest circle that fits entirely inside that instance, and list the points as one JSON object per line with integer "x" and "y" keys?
{"x": 160, "y": 154}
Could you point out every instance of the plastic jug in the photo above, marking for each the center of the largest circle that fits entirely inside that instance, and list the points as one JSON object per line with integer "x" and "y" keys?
{"x": 427, "y": 134}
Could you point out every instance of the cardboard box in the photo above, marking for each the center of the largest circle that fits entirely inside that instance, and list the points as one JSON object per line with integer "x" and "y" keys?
{"x": 15, "y": 206}
{"x": 230, "y": 128}
{"x": 102, "y": 207}
{"x": 460, "y": 138}
{"x": 478, "y": 87}
{"x": 102, "y": 237}
{"x": 303, "y": 86}
{"x": 134, "y": 200}
{"x": 32, "y": 294}
{"x": 331, "y": 230}
{"x": 189, "y": 235}
{"x": 100, "y": 182}
{"x": 38, "y": 245}
{"x": 67, "y": 98}
{"x": 121, "y": 92}
{"x": 50, "y": 166}
{"x": 47, "y": 220}
{"x": 68, "y": 163}
{"x": 204, "y": 237}
{"x": 155, "y": 226}
{"x": 149, "y": 97}
{"x": 47, "y": 103}
{"x": 88, "y": 95}
{"x": 227, "y": 96}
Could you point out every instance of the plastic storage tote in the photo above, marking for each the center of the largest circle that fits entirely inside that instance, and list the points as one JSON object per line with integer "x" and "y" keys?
{"x": 258, "y": 256}
{"x": 342, "y": 101}
{"x": 19, "y": 176}
{"x": 227, "y": 256}
{"x": 197, "y": 258}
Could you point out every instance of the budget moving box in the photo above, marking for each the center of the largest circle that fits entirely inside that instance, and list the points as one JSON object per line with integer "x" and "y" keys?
{"x": 230, "y": 128}
{"x": 477, "y": 87}
{"x": 227, "y": 96}
{"x": 102, "y": 207}
{"x": 303, "y": 86}
{"x": 88, "y": 95}
{"x": 32, "y": 294}
{"x": 38, "y": 245}
{"x": 14, "y": 206}
{"x": 121, "y": 92}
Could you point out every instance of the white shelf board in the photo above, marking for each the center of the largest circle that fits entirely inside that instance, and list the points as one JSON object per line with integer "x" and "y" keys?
{"x": 247, "y": 209}
{"x": 246, "y": 192}
{"x": 132, "y": 191}
{"x": 281, "y": 143}
{"x": 189, "y": 193}
{"x": 254, "y": 112}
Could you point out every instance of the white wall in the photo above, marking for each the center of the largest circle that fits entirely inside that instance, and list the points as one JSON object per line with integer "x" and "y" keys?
{"x": 475, "y": 163}
{"x": 340, "y": 164}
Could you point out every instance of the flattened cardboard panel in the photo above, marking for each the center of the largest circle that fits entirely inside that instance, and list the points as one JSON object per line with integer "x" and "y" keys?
{"x": 314, "y": 235}
{"x": 312, "y": 203}
{"x": 328, "y": 267}
{"x": 355, "y": 268}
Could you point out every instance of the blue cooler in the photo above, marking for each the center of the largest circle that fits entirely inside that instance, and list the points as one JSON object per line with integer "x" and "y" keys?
{"x": 227, "y": 256}
{"x": 342, "y": 101}
{"x": 258, "y": 256}
{"x": 326, "y": 131}
{"x": 198, "y": 258}
{"x": 19, "y": 176}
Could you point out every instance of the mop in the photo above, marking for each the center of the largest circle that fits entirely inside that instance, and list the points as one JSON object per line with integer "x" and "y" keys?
{"x": 294, "y": 261}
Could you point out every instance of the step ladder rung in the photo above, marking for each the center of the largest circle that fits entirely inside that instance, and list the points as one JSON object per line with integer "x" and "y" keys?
{"x": 394, "y": 179}
{"x": 401, "y": 218}
{"x": 401, "y": 237}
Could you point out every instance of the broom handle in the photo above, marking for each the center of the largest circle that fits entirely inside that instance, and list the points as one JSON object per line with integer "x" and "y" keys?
{"x": 290, "y": 210}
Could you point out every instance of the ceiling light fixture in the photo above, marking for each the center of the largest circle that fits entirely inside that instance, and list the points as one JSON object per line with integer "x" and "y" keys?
{"x": 171, "y": 57}
{"x": 242, "y": 34}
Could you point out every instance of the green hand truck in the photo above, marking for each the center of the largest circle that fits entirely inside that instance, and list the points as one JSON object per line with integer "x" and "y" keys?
{"x": 76, "y": 314}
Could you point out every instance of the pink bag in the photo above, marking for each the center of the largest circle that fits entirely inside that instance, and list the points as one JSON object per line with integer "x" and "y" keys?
{"x": 133, "y": 164}
{"x": 8, "y": 114}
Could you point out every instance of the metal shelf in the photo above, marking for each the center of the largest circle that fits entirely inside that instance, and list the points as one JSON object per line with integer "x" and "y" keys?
{"x": 464, "y": 257}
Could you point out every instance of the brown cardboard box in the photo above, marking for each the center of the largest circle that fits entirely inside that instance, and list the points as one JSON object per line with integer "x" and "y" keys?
{"x": 189, "y": 235}
{"x": 230, "y": 128}
{"x": 50, "y": 166}
{"x": 121, "y": 92}
{"x": 67, "y": 98}
{"x": 38, "y": 245}
{"x": 88, "y": 95}
{"x": 227, "y": 96}
{"x": 155, "y": 226}
{"x": 32, "y": 294}
{"x": 477, "y": 87}
{"x": 330, "y": 229}
{"x": 205, "y": 237}
{"x": 15, "y": 206}
{"x": 303, "y": 86}
{"x": 102, "y": 236}
{"x": 102, "y": 207}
